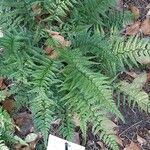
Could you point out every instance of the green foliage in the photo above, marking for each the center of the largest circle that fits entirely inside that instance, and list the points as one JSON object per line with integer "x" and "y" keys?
{"x": 129, "y": 51}
{"x": 77, "y": 82}
{"x": 134, "y": 94}
{"x": 6, "y": 128}
{"x": 2, "y": 95}
{"x": 3, "y": 146}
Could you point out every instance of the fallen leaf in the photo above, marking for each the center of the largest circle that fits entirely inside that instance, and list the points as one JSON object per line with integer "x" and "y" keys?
{"x": 53, "y": 32}
{"x": 61, "y": 40}
{"x": 132, "y": 146}
{"x": 2, "y": 85}
{"x": 145, "y": 27}
{"x": 48, "y": 50}
{"x": 133, "y": 29}
{"x": 135, "y": 11}
{"x": 141, "y": 140}
{"x": 56, "y": 36}
{"x": 135, "y": 75}
{"x": 8, "y": 105}
{"x": 131, "y": 73}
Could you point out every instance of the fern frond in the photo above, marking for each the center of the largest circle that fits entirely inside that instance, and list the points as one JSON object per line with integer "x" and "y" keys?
{"x": 130, "y": 51}
{"x": 135, "y": 96}
{"x": 6, "y": 128}
{"x": 12, "y": 63}
{"x": 24, "y": 13}
{"x": 91, "y": 11}
{"x": 5, "y": 120}
{"x": 58, "y": 10}
{"x": 67, "y": 126}
{"x": 43, "y": 114}
{"x": 20, "y": 93}
{"x": 43, "y": 83}
{"x": 98, "y": 45}
{"x": 16, "y": 13}
{"x": 106, "y": 126}
{"x": 44, "y": 71}
{"x": 87, "y": 90}
{"x": 94, "y": 86}
{"x": 3, "y": 146}
{"x": 11, "y": 139}
{"x": 2, "y": 95}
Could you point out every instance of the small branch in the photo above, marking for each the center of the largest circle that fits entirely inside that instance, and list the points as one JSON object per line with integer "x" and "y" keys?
{"x": 130, "y": 127}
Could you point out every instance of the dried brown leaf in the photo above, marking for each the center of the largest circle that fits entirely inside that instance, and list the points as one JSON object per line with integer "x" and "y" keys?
{"x": 133, "y": 29}
{"x": 132, "y": 146}
{"x": 51, "y": 52}
{"x": 2, "y": 85}
{"x": 53, "y": 32}
{"x": 48, "y": 50}
{"x": 8, "y": 105}
{"x": 56, "y": 36}
{"x": 145, "y": 27}
{"x": 132, "y": 74}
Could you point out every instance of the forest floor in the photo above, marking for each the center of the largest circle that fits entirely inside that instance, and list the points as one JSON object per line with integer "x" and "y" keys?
{"x": 134, "y": 134}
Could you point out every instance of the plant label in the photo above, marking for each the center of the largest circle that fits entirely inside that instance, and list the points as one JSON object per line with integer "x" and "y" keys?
{"x": 55, "y": 143}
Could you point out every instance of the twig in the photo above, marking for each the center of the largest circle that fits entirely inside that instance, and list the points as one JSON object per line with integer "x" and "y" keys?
{"x": 130, "y": 127}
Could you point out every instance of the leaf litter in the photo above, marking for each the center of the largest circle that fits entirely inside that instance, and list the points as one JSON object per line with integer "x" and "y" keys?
{"x": 135, "y": 133}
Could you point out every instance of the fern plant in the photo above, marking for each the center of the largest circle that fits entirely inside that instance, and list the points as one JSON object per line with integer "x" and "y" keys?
{"x": 78, "y": 82}
{"x": 7, "y": 137}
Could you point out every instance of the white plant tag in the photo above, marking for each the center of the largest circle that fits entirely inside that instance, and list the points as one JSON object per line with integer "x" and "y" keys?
{"x": 55, "y": 143}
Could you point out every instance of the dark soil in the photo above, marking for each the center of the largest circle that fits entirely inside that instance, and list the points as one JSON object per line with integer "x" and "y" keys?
{"x": 140, "y": 4}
